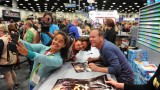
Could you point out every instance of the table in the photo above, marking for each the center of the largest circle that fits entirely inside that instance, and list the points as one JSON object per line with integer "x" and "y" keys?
{"x": 67, "y": 71}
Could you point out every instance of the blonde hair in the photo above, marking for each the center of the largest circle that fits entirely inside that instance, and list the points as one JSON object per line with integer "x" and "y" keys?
{"x": 3, "y": 28}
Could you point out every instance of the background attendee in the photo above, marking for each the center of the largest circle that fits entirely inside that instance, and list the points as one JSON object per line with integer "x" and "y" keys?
{"x": 46, "y": 38}
{"x": 113, "y": 59}
{"x": 6, "y": 63}
{"x": 30, "y": 34}
{"x": 46, "y": 59}
{"x": 152, "y": 84}
{"x": 110, "y": 34}
{"x": 79, "y": 28}
{"x": 133, "y": 34}
{"x": 73, "y": 28}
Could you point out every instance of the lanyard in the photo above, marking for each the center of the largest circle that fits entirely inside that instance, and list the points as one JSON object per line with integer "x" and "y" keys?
{"x": 39, "y": 65}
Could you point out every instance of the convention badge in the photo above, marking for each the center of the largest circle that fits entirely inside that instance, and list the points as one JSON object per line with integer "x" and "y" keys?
{"x": 36, "y": 78}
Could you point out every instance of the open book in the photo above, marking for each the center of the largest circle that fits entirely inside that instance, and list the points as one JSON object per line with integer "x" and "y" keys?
{"x": 97, "y": 83}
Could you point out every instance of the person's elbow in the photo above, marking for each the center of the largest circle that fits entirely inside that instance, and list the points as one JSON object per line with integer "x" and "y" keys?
{"x": 114, "y": 70}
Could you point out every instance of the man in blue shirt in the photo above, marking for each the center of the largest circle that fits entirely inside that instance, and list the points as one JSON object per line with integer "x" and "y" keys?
{"x": 73, "y": 28}
{"x": 113, "y": 59}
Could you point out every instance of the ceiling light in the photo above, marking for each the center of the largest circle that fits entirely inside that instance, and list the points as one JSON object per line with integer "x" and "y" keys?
{"x": 120, "y": 6}
{"x": 77, "y": 5}
{"x": 74, "y": 1}
{"x": 47, "y": 0}
{"x": 103, "y": 5}
{"x": 145, "y": 4}
{"x": 83, "y": 3}
{"x": 45, "y": 6}
{"x": 95, "y": 2}
{"x": 7, "y": 1}
{"x": 104, "y": 1}
{"x": 24, "y": 7}
{"x": 117, "y": 8}
{"x": 124, "y": 3}
{"x": 69, "y": 10}
{"x": 29, "y": 3}
{"x": 63, "y": 10}
{"x": 126, "y": 8}
{"x": 81, "y": 9}
{"x": 55, "y": 3}
{"x": 17, "y": 0}
{"x": 35, "y": 0}
{"x": 135, "y": 3}
{"x": 31, "y": 7}
{"x": 111, "y": 6}
{"x": 17, "y": 7}
{"x": 61, "y": 6}
{"x": 129, "y": 10}
{"x": 25, "y": 0}
{"x": 138, "y": 6}
{"x": 137, "y": 12}
{"x": 130, "y": 6}
{"x": 72, "y": 11}
{"x": 20, "y": 4}
{"x": 122, "y": 10}
{"x": 113, "y": 3}
{"x": 37, "y": 4}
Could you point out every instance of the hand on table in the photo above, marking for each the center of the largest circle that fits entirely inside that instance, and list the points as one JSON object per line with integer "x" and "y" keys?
{"x": 93, "y": 66}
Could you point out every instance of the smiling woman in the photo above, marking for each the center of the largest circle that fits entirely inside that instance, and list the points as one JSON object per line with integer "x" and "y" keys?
{"x": 46, "y": 59}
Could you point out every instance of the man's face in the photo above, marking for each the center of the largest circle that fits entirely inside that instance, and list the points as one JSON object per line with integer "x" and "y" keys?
{"x": 95, "y": 39}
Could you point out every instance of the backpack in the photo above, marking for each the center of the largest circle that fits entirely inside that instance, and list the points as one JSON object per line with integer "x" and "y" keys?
{"x": 1, "y": 47}
{"x": 64, "y": 28}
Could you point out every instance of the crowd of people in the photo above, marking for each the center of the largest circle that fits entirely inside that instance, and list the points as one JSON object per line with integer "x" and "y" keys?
{"x": 47, "y": 44}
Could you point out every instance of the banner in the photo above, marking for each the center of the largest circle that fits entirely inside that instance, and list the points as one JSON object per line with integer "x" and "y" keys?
{"x": 8, "y": 14}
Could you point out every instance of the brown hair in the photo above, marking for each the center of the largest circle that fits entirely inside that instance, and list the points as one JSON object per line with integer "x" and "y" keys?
{"x": 85, "y": 39}
{"x": 110, "y": 23}
{"x": 11, "y": 27}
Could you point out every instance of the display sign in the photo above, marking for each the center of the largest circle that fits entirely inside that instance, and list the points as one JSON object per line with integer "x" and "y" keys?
{"x": 8, "y": 14}
{"x": 69, "y": 5}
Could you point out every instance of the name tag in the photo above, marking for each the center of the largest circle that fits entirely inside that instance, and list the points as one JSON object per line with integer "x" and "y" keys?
{"x": 36, "y": 78}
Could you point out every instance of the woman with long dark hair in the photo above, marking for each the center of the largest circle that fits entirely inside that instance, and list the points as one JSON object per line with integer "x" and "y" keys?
{"x": 46, "y": 59}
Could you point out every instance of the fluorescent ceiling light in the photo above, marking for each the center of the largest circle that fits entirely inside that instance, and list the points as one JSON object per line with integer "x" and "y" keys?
{"x": 7, "y": 1}
{"x": 135, "y": 3}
